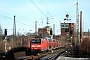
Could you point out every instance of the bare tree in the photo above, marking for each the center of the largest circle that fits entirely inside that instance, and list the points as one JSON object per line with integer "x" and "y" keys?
{"x": 0, "y": 30}
{"x": 1, "y": 35}
{"x": 85, "y": 44}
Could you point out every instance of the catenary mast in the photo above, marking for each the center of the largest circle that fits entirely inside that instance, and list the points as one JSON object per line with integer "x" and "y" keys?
{"x": 14, "y": 32}
{"x": 77, "y": 25}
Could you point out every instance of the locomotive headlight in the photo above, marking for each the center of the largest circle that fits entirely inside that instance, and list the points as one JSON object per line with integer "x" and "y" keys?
{"x": 33, "y": 45}
{"x": 38, "y": 45}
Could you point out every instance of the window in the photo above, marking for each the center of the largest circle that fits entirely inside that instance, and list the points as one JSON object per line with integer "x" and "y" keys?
{"x": 36, "y": 41}
{"x": 67, "y": 30}
{"x": 64, "y": 25}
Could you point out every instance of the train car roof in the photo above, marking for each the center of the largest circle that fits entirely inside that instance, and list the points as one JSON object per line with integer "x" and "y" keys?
{"x": 38, "y": 38}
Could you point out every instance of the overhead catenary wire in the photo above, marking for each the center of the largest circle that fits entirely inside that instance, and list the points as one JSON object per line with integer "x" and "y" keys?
{"x": 50, "y": 16}
{"x": 57, "y": 14}
{"x": 47, "y": 10}
{"x": 23, "y": 16}
{"x": 45, "y": 7}
{"x": 13, "y": 12}
{"x": 38, "y": 8}
{"x": 63, "y": 11}
{"x": 8, "y": 8}
{"x": 41, "y": 12}
{"x": 60, "y": 14}
{"x": 17, "y": 21}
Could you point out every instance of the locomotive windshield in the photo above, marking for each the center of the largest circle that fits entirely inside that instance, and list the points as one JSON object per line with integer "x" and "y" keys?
{"x": 34, "y": 41}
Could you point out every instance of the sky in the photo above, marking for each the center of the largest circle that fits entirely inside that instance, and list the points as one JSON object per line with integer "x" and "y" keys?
{"x": 29, "y": 11}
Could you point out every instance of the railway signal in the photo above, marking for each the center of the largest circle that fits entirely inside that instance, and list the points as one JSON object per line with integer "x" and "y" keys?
{"x": 5, "y": 32}
{"x": 50, "y": 31}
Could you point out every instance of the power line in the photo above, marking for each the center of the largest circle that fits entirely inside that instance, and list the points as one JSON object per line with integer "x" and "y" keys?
{"x": 61, "y": 13}
{"x": 17, "y": 21}
{"x": 11, "y": 10}
{"x": 40, "y": 11}
{"x": 64, "y": 11}
{"x": 29, "y": 19}
{"x": 47, "y": 11}
{"x": 25, "y": 24}
{"x": 8, "y": 8}
{"x": 45, "y": 7}
{"x": 16, "y": 14}
{"x": 6, "y": 16}
{"x": 38, "y": 8}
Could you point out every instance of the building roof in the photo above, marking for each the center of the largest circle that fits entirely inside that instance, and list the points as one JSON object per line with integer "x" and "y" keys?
{"x": 67, "y": 22}
{"x": 86, "y": 34}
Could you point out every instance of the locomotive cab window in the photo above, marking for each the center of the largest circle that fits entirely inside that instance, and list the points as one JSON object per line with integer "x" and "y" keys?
{"x": 36, "y": 41}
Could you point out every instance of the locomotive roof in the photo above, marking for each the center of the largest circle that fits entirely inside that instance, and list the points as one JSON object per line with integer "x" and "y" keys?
{"x": 50, "y": 39}
{"x": 37, "y": 38}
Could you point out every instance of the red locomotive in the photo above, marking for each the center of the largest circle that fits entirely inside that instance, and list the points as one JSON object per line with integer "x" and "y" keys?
{"x": 44, "y": 44}
{"x": 39, "y": 44}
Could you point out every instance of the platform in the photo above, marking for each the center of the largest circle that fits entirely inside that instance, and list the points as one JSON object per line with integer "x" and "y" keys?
{"x": 71, "y": 58}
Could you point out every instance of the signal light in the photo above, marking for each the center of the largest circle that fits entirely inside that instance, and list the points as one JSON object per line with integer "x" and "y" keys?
{"x": 51, "y": 32}
{"x": 5, "y": 32}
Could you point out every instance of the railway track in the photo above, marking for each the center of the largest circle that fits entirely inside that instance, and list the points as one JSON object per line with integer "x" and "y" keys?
{"x": 43, "y": 56}
{"x": 51, "y": 56}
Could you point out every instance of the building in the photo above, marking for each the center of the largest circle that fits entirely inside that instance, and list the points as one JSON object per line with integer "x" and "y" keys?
{"x": 86, "y": 34}
{"x": 68, "y": 28}
{"x": 44, "y": 31}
